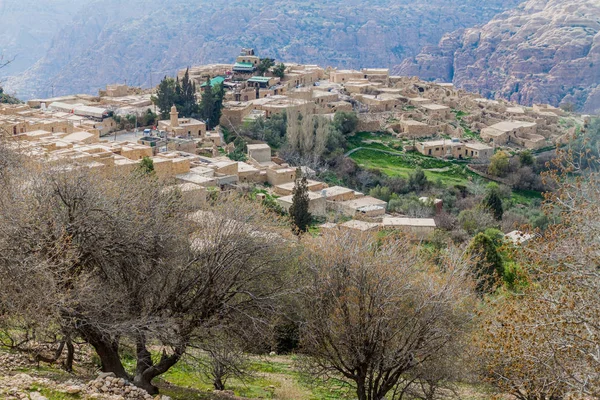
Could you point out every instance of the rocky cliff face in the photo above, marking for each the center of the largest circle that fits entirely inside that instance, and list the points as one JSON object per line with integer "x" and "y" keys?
{"x": 544, "y": 51}
{"x": 27, "y": 28}
{"x": 142, "y": 40}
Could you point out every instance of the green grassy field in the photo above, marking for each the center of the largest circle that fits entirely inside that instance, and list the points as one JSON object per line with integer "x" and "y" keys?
{"x": 402, "y": 164}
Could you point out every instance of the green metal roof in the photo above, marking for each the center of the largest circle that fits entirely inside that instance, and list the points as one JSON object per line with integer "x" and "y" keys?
{"x": 214, "y": 81}
{"x": 244, "y": 66}
{"x": 260, "y": 79}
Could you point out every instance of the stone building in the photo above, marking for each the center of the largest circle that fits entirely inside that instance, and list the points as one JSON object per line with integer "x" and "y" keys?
{"x": 414, "y": 129}
{"x": 521, "y": 133}
{"x": 176, "y": 126}
{"x": 420, "y": 228}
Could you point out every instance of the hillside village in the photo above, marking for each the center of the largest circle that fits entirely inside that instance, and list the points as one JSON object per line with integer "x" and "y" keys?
{"x": 433, "y": 119}
{"x": 151, "y": 248}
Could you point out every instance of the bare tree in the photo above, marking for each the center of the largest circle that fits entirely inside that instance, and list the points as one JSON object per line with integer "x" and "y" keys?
{"x": 543, "y": 343}
{"x": 380, "y": 316}
{"x": 223, "y": 358}
{"x": 118, "y": 258}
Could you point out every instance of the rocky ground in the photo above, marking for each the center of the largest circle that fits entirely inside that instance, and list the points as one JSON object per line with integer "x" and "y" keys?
{"x": 37, "y": 384}
{"x": 544, "y": 51}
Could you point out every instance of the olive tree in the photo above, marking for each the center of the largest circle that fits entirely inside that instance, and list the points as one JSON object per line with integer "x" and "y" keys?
{"x": 380, "y": 316}
{"x": 118, "y": 258}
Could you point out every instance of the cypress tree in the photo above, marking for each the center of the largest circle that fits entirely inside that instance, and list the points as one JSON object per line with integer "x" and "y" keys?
{"x": 489, "y": 265}
{"x": 218, "y": 96}
{"x": 299, "y": 213}
{"x": 207, "y": 105}
{"x": 189, "y": 106}
{"x": 493, "y": 202}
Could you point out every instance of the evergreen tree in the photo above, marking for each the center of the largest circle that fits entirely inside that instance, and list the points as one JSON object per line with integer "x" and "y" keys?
{"x": 279, "y": 70}
{"x": 264, "y": 65}
{"x": 207, "y": 105}
{"x": 189, "y": 105}
{"x": 299, "y": 213}
{"x": 218, "y": 96}
{"x": 146, "y": 166}
{"x": 489, "y": 265}
{"x": 493, "y": 202}
{"x": 166, "y": 96}
{"x": 177, "y": 93}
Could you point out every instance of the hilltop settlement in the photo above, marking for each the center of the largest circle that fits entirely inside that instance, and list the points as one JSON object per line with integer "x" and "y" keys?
{"x": 425, "y": 121}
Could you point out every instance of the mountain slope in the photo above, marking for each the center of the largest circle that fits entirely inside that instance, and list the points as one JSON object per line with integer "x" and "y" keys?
{"x": 544, "y": 51}
{"x": 28, "y": 27}
{"x": 140, "y": 41}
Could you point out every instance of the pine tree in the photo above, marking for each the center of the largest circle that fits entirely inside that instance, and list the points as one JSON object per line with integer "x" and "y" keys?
{"x": 493, "y": 202}
{"x": 299, "y": 213}
{"x": 207, "y": 105}
{"x": 146, "y": 166}
{"x": 166, "y": 96}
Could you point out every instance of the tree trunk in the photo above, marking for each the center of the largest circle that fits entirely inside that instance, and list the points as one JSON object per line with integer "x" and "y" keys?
{"x": 70, "y": 356}
{"x": 361, "y": 390}
{"x": 146, "y": 371}
{"x": 218, "y": 383}
{"x": 107, "y": 350}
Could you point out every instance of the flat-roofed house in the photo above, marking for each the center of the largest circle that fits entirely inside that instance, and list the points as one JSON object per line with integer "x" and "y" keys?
{"x": 416, "y": 129}
{"x": 522, "y": 133}
{"x": 419, "y": 227}
{"x": 361, "y": 226}
{"x": 286, "y": 189}
{"x": 478, "y": 150}
{"x": 436, "y": 110}
{"x": 441, "y": 148}
{"x": 316, "y": 204}
{"x": 365, "y": 206}
{"x": 260, "y": 153}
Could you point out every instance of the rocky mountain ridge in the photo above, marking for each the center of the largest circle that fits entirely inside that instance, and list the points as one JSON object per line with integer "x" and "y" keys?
{"x": 543, "y": 51}
{"x": 141, "y": 41}
{"x": 23, "y": 42}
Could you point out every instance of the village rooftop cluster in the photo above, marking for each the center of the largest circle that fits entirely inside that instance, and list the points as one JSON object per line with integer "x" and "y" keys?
{"x": 74, "y": 129}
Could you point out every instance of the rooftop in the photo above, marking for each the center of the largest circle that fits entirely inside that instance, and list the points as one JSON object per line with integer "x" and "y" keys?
{"x": 403, "y": 221}
{"x": 506, "y": 126}
{"x": 214, "y": 81}
{"x": 260, "y": 79}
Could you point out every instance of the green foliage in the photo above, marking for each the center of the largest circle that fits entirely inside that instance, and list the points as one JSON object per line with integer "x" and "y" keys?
{"x": 381, "y": 192}
{"x": 493, "y": 202}
{"x": 187, "y": 103}
{"x": 207, "y": 104}
{"x": 166, "y": 96}
{"x": 129, "y": 120}
{"x": 270, "y": 130}
{"x": 417, "y": 180}
{"x": 345, "y": 122}
{"x": 301, "y": 217}
{"x": 146, "y": 166}
{"x": 586, "y": 146}
{"x": 8, "y": 99}
{"x": 476, "y": 220}
{"x": 241, "y": 148}
{"x": 526, "y": 158}
{"x": 279, "y": 70}
{"x": 499, "y": 164}
{"x": 264, "y": 64}
{"x": 488, "y": 266}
